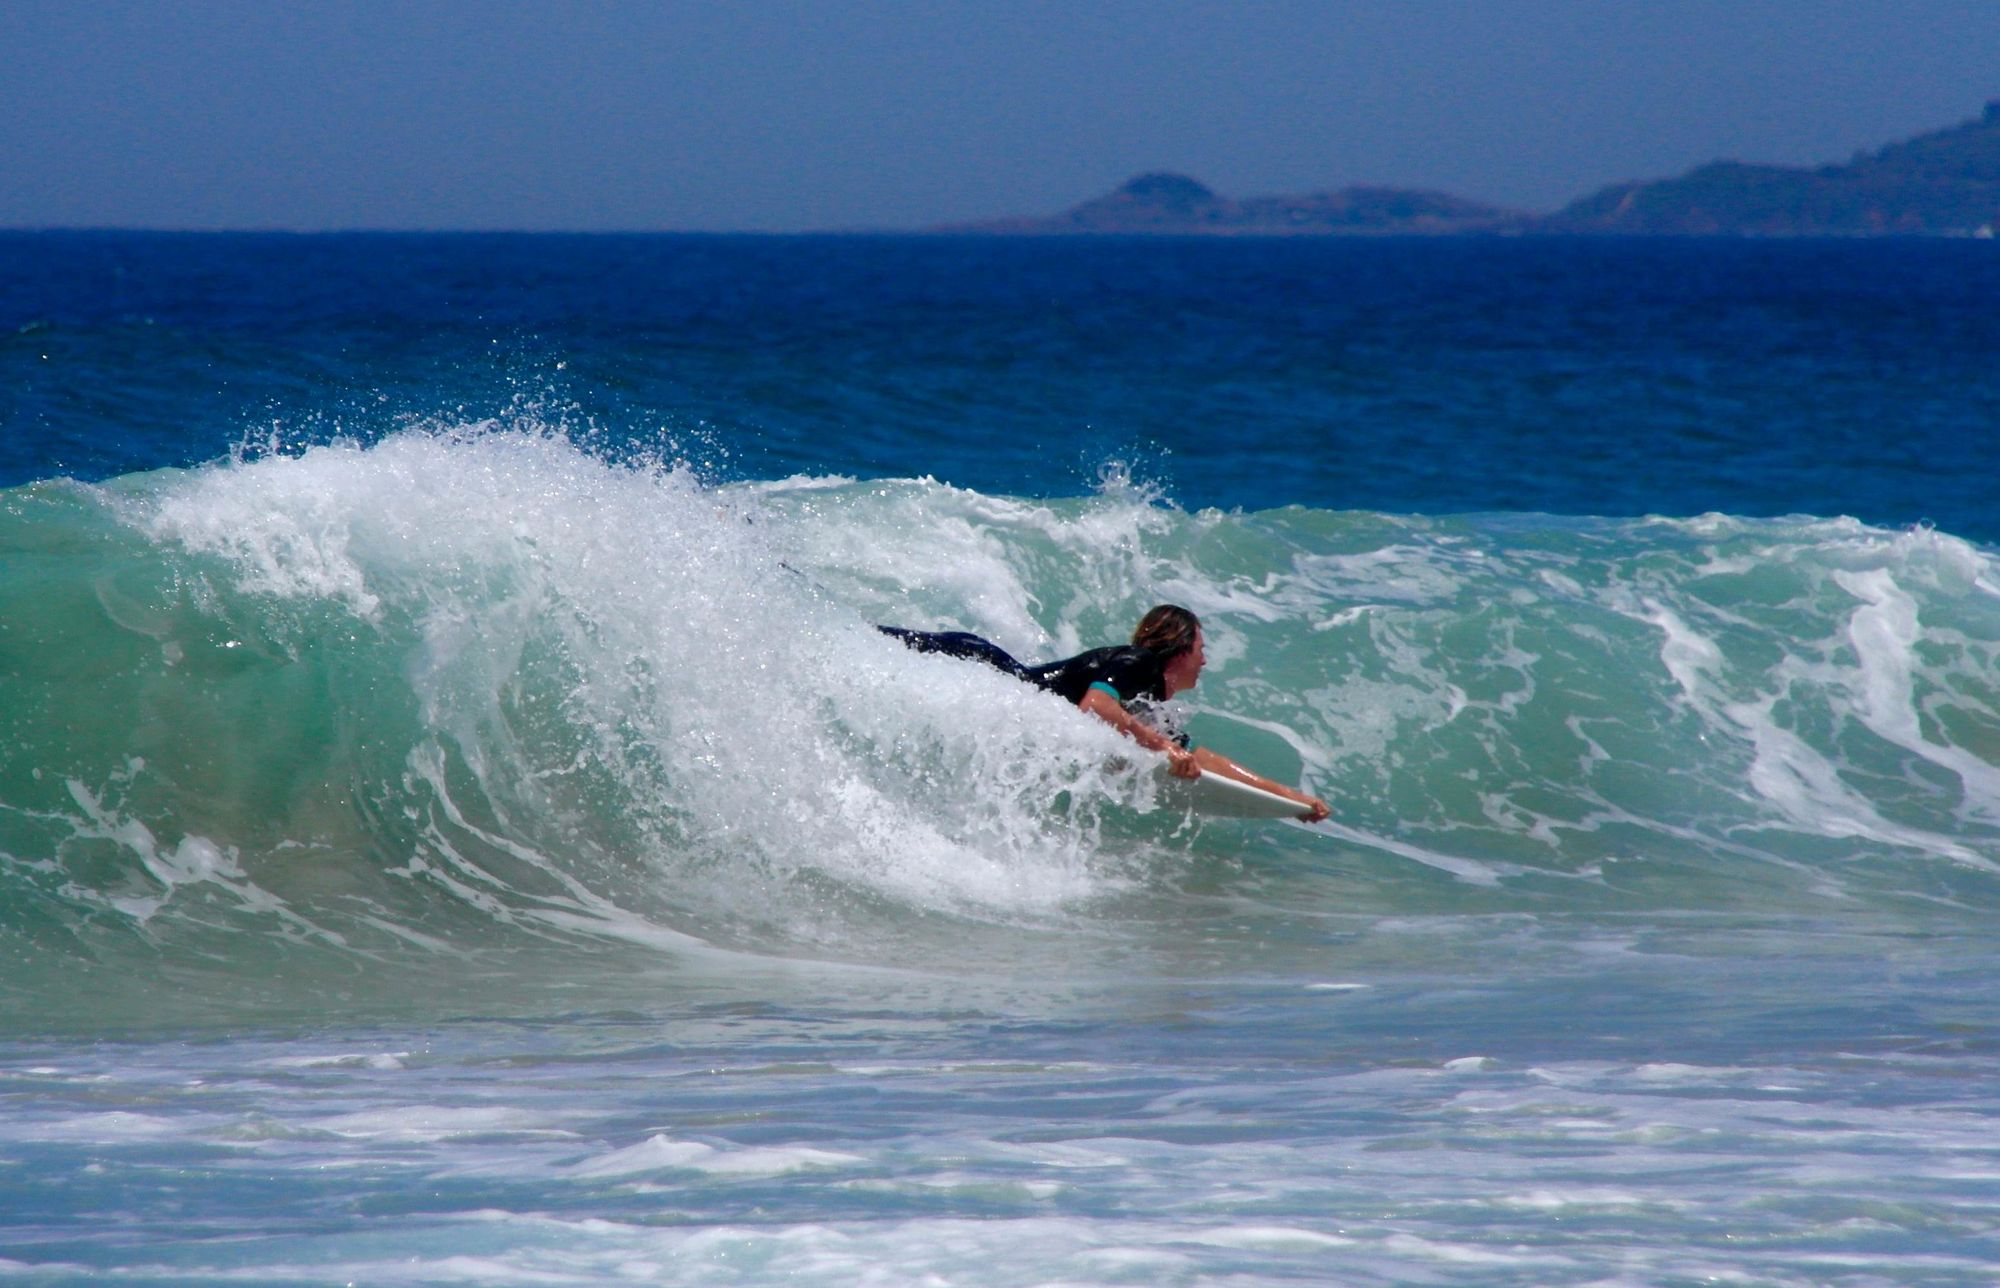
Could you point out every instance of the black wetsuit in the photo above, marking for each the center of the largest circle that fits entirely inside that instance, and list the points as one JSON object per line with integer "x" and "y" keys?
{"x": 1132, "y": 675}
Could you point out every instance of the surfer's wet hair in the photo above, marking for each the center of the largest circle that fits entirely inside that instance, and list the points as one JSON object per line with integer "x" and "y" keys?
{"x": 1167, "y": 629}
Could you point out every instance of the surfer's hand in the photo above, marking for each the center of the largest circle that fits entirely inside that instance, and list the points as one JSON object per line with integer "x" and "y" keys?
{"x": 1181, "y": 763}
{"x": 1317, "y": 812}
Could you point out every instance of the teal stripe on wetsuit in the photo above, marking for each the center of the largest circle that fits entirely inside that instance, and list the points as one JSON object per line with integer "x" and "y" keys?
{"x": 1179, "y": 739}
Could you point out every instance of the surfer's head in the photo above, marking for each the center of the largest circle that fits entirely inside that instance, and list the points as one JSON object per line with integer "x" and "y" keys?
{"x": 1175, "y": 634}
{"x": 1167, "y": 629}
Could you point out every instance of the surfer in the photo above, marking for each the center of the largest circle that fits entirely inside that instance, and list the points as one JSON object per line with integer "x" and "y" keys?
{"x": 1118, "y": 685}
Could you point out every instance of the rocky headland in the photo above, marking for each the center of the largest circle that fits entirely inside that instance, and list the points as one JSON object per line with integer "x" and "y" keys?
{"x": 1177, "y": 205}
{"x": 1945, "y": 183}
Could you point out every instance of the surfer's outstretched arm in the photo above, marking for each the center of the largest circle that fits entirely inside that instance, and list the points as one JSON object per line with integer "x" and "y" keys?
{"x": 1215, "y": 762}
{"x": 1180, "y": 762}
{"x": 1192, "y": 762}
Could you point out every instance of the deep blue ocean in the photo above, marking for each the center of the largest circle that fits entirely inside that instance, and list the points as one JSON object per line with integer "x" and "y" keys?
{"x": 458, "y": 823}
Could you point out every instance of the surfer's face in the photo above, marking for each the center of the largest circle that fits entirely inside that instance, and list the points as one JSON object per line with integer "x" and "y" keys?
{"x": 1183, "y": 671}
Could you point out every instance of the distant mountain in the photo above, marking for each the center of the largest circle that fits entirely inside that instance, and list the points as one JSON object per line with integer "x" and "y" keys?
{"x": 1944, "y": 183}
{"x": 1175, "y": 205}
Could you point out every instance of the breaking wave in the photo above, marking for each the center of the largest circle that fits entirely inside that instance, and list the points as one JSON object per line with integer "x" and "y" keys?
{"x": 477, "y": 695}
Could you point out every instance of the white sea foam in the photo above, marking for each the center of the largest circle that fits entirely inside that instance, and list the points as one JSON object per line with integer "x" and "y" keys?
{"x": 1885, "y": 633}
{"x": 192, "y": 861}
{"x": 1785, "y": 771}
{"x": 110, "y": 1127}
{"x": 661, "y": 1153}
{"x": 434, "y": 1124}
{"x": 377, "y": 1060}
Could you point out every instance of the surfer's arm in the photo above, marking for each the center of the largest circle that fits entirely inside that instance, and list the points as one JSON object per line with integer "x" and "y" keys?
{"x": 1213, "y": 762}
{"x": 1098, "y": 702}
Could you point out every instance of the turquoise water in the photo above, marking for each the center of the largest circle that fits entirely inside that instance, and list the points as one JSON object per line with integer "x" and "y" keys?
{"x": 492, "y": 845}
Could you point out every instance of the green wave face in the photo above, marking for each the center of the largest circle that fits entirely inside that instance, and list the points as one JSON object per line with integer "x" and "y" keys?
{"x": 360, "y": 725}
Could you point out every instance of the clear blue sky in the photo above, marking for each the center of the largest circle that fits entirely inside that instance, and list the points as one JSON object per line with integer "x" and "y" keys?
{"x": 787, "y": 115}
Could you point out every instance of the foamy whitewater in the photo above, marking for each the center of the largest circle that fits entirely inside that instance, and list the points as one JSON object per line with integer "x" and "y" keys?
{"x": 489, "y": 849}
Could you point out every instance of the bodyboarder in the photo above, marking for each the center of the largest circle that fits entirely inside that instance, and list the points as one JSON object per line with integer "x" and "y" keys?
{"x": 1119, "y": 683}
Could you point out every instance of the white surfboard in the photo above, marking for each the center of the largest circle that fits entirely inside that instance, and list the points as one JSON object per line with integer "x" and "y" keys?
{"x": 1215, "y": 796}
